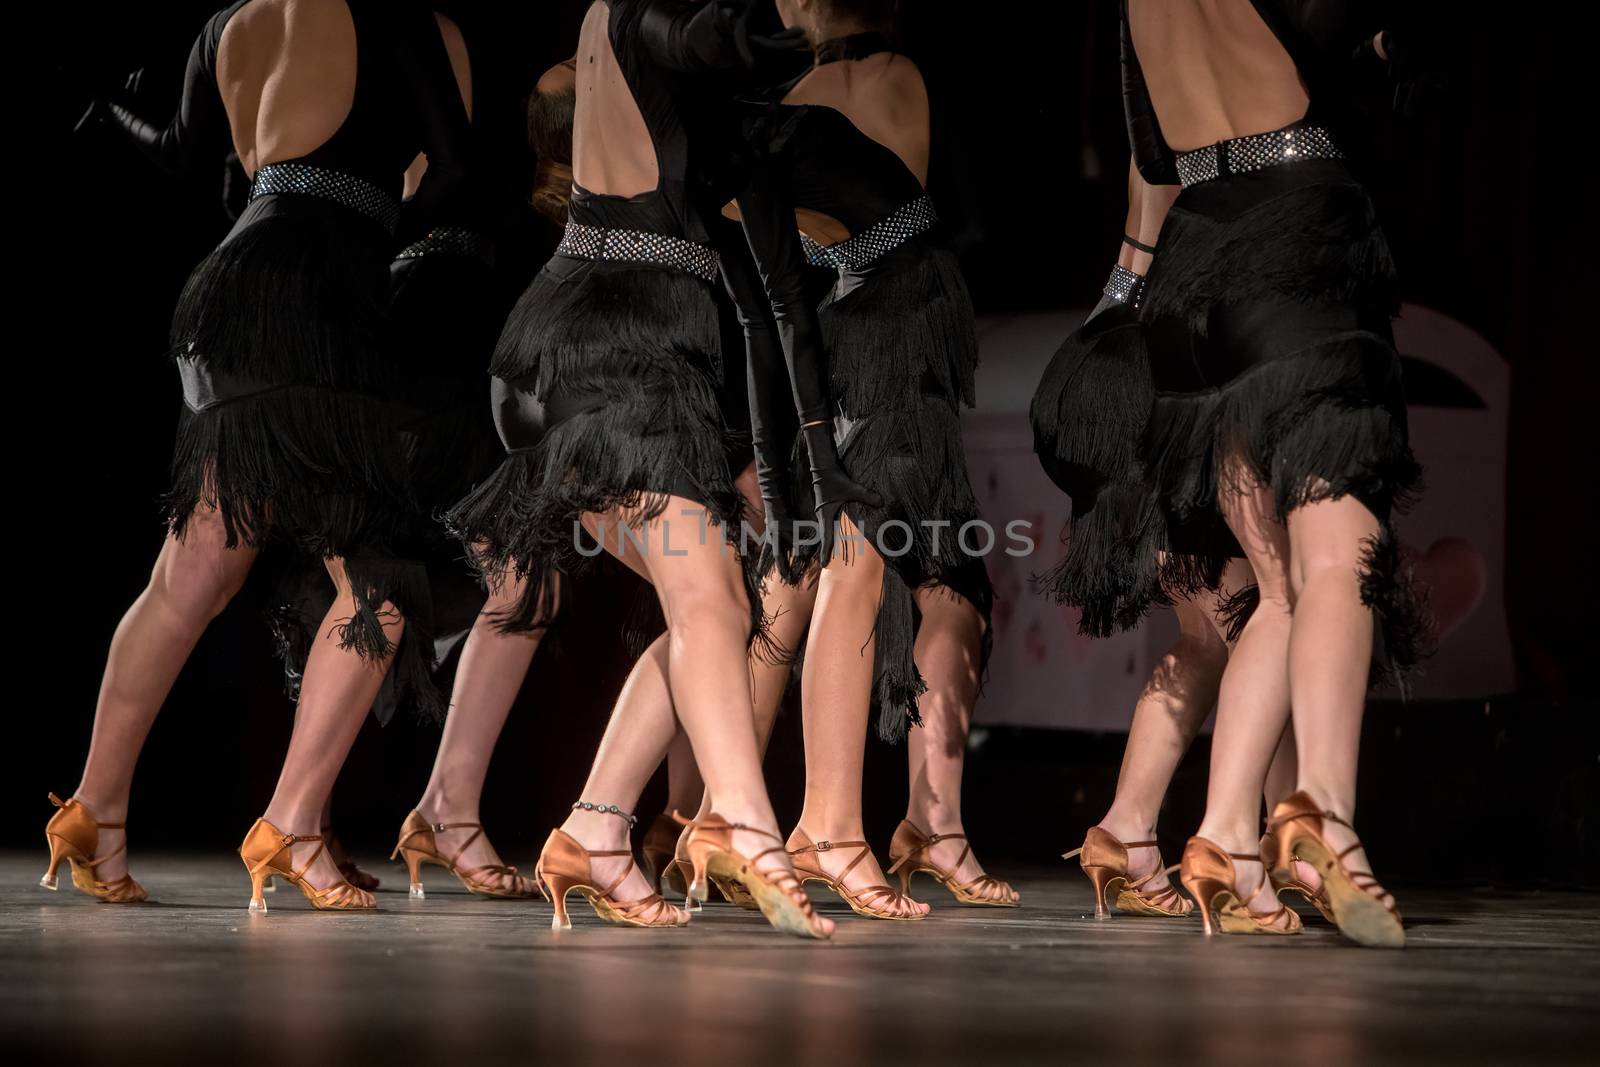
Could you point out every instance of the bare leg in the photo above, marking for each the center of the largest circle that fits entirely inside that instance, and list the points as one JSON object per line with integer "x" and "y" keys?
{"x": 488, "y": 679}
{"x": 1330, "y": 651}
{"x": 1179, "y": 695}
{"x": 641, "y": 730}
{"x": 1252, "y": 706}
{"x": 192, "y": 581}
{"x": 685, "y": 788}
{"x": 836, "y": 697}
{"x": 949, "y": 644}
{"x": 337, "y": 693}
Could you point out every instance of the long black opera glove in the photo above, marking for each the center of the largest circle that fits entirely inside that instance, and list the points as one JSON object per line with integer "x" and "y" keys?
{"x": 831, "y": 484}
{"x": 773, "y": 424}
{"x": 716, "y": 35}
{"x": 199, "y": 133}
{"x": 766, "y": 207}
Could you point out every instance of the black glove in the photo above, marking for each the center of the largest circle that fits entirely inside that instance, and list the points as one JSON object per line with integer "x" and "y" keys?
{"x": 831, "y": 486}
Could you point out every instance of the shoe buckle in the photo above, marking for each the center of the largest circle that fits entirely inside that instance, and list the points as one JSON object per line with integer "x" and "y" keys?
{"x": 824, "y": 846}
{"x": 437, "y": 827}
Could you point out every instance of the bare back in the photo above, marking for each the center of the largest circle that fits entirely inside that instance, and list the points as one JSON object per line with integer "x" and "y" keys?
{"x": 1214, "y": 70}
{"x": 612, "y": 151}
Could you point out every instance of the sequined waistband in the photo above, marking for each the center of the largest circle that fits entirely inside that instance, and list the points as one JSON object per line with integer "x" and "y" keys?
{"x": 450, "y": 240}
{"x": 637, "y": 246}
{"x": 1258, "y": 151}
{"x": 1124, "y": 286}
{"x": 877, "y": 240}
{"x": 306, "y": 180}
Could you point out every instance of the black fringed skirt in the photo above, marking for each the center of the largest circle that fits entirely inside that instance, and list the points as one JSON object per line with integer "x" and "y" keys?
{"x": 1088, "y": 417}
{"x": 902, "y": 351}
{"x": 1268, "y": 315}
{"x": 607, "y": 382}
{"x": 287, "y": 427}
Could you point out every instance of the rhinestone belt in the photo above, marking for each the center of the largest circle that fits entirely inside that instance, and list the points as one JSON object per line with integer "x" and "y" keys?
{"x": 1124, "y": 286}
{"x": 1255, "y": 152}
{"x": 450, "y": 240}
{"x": 877, "y": 240}
{"x": 636, "y": 246}
{"x": 352, "y": 192}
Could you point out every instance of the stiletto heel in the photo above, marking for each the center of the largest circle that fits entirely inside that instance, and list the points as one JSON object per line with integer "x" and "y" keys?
{"x": 697, "y": 893}
{"x": 909, "y": 853}
{"x": 1105, "y": 860}
{"x": 73, "y": 835}
{"x": 1209, "y": 876}
{"x": 1355, "y": 898}
{"x": 266, "y": 854}
{"x": 418, "y": 846}
{"x": 1100, "y": 878}
{"x": 566, "y": 865}
{"x": 414, "y": 860}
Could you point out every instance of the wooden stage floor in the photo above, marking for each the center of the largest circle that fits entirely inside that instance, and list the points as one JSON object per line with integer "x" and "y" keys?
{"x": 1486, "y": 977}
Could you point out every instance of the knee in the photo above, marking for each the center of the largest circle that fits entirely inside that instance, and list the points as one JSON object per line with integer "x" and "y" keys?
{"x": 1325, "y": 562}
{"x": 696, "y": 612}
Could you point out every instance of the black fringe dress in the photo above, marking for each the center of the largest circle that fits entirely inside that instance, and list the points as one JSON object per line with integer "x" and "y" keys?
{"x": 1268, "y": 323}
{"x": 288, "y": 427}
{"x": 901, "y": 355}
{"x": 607, "y": 377}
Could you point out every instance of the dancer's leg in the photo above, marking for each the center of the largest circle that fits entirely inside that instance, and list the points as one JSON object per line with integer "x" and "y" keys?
{"x": 337, "y": 693}
{"x": 948, "y": 649}
{"x": 488, "y": 679}
{"x": 836, "y": 696}
{"x": 192, "y": 581}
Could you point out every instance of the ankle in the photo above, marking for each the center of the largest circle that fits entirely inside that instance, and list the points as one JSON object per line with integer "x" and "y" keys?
{"x": 109, "y": 808}
{"x": 1129, "y": 824}
{"x": 1336, "y": 797}
{"x": 300, "y": 820}
{"x": 441, "y": 803}
{"x": 597, "y": 829}
{"x": 1231, "y": 836}
{"x": 934, "y": 816}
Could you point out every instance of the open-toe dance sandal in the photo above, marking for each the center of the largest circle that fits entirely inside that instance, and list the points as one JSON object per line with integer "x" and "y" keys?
{"x": 1355, "y": 898}
{"x": 873, "y": 901}
{"x": 909, "y": 853}
{"x": 266, "y": 854}
{"x": 565, "y": 865}
{"x": 1208, "y": 874}
{"x": 1286, "y": 880}
{"x": 74, "y": 835}
{"x": 1105, "y": 860}
{"x": 778, "y": 893}
{"x": 417, "y": 847}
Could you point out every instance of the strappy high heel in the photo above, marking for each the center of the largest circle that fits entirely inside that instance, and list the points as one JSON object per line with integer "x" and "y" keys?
{"x": 874, "y": 901}
{"x": 565, "y": 865}
{"x": 1287, "y": 880}
{"x": 417, "y": 846}
{"x": 1105, "y": 860}
{"x": 909, "y": 853}
{"x": 778, "y": 893}
{"x": 659, "y": 851}
{"x": 266, "y": 854}
{"x": 73, "y": 834}
{"x": 1355, "y": 898}
{"x": 348, "y": 867}
{"x": 1208, "y": 874}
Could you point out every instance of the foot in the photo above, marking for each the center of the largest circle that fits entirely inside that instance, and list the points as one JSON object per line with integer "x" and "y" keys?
{"x": 948, "y": 855}
{"x": 776, "y": 861}
{"x": 108, "y": 842}
{"x": 1144, "y": 861}
{"x": 477, "y": 853}
{"x": 1340, "y": 837}
{"x": 324, "y": 873}
{"x": 602, "y": 832}
{"x": 1251, "y": 884}
{"x": 862, "y": 874}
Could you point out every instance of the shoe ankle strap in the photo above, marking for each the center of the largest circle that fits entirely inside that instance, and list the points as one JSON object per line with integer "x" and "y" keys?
{"x": 723, "y": 824}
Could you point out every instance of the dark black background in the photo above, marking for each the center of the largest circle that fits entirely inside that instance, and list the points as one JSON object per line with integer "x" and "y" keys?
{"x": 1484, "y": 204}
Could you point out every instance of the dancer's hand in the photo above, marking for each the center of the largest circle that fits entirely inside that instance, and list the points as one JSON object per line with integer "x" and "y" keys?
{"x": 831, "y": 485}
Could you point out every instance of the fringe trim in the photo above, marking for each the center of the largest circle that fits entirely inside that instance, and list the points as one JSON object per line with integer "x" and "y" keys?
{"x": 1089, "y": 411}
{"x": 1406, "y": 629}
{"x": 1315, "y": 242}
{"x": 907, "y": 329}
